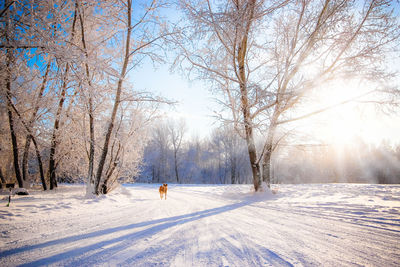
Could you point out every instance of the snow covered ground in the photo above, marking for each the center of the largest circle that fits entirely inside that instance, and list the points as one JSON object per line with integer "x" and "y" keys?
{"x": 202, "y": 225}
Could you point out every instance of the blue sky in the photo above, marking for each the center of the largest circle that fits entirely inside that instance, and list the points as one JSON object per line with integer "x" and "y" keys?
{"x": 196, "y": 105}
{"x": 194, "y": 102}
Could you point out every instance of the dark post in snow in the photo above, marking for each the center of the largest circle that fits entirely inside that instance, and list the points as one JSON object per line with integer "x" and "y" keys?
{"x": 10, "y": 186}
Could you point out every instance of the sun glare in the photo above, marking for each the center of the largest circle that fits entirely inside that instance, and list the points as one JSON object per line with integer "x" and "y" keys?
{"x": 353, "y": 121}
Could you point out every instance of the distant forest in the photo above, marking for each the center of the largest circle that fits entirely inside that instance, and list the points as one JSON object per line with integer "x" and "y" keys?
{"x": 221, "y": 159}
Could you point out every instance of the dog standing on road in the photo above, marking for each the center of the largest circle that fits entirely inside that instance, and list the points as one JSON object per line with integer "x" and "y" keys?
{"x": 163, "y": 190}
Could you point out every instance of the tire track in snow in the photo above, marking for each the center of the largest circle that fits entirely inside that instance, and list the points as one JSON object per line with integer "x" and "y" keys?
{"x": 158, "y": 230}
{"x": 295, "y": 228}
{"x": 314, "y": 228}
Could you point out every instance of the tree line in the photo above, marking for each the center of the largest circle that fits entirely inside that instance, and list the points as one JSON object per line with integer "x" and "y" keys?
{"x": 221, "y": 159}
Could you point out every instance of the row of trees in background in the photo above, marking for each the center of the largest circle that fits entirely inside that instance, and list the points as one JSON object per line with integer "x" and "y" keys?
{"x": 64, "y": 89}
{"x": 221, "y": 159}
{"x": 337, "y": 163}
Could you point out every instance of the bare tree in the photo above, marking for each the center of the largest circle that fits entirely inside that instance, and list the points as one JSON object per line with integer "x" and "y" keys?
{"x": 230, "y": 149}
{"x": 218, "y": 43}
{"x": 30, "y": 124}
{"x": 62, "y": 97}
{"x": 33, "y": 139}
{"x": 134, "y": 50}
{"x": 7, "y": 74}
{"x": 316, "y": 44}
{"x": 266, "y": 57}
{"x": 90, "y": 104}
{"x": 176, "y": 132}
{"x": 17, "y": 31}
{"x": 161, "y": 141}
{"x": 63, "y": 46}
{"x": 123, "y": 71}
{"x": 220, "y": 158}
{"x": 79, "y": 80}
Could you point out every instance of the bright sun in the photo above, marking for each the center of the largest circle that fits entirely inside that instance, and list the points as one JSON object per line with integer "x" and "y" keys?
{"x": 352, "y": 121}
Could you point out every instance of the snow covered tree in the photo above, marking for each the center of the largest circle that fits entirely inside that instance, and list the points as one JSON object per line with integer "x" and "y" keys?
{"x": 20, "y": 25}
{"x": 232, "y": 150}
{"x": 139, "y": 33}
{"x": 331, "y": 40}
{"x": 160, "y": 159}
{"x": 220, "y": 159}
{"x": 176, "y": 132}
{"x": 266, "y": 58}
{"x": 67, "y": 54}
{"x": 216, "y": 42}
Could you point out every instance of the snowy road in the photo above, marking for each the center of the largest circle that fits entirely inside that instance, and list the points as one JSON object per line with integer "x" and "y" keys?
{"x": 302, "y": 225}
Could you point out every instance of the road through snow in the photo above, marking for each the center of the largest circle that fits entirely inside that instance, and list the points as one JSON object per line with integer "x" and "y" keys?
{"x": 204, "y": 225}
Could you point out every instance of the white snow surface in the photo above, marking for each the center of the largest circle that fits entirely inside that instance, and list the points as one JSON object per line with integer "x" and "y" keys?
{"x": 204, "y": 225}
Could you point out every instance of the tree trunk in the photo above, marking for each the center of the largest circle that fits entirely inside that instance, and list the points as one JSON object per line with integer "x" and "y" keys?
{"x": 14, "y": 147}
{"x": 25, "y": 157}
{"x": 116, "y": 103}
{"x": 11, "y": 123}
{"x": 251, "y": 148}
{"x": 220, "y": 169}
{"x": 91, "y": 148}
{"x": 267, "y": 165}
{"x": 2, "y": 177}
{"x": 12, "y": 106}
{"x": 90, "y": 178}
{"x": 248, "y": 125}
{"x": 176, "y": 167}
{"x": 233, "y": 174}
{"x": 269, "y": 149}
{"x": 28, "y": 138}
{"x": 40, "y": 163}
{"x": 52, "y": 162}
{"x": 232, "y": 165}
{"x": 14, "y": 143}
{"x": 153, "y": 179}
{"x": 266, "y": 173}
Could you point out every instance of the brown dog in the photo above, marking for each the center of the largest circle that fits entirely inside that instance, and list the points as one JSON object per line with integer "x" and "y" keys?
{"x": 163, "y": 190}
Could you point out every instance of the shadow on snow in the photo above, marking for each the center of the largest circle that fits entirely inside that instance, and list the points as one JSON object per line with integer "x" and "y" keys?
{"x": 77, "y": 255}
